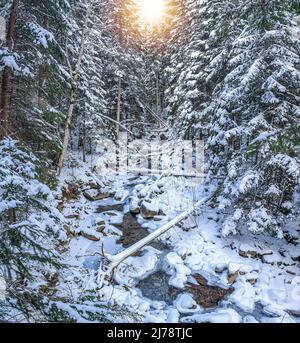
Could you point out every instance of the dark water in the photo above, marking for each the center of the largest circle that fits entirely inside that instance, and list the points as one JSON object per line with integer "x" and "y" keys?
{"x": 134, "y": 232}
{"x": 156, "y": 287}
{"x": 110, "y": 207}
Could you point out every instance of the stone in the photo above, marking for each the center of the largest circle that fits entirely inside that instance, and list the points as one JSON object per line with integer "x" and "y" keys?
{"x": 185, "y": 304}
{"x": 246, "y": 269}
{"x": 94, "y": 185}
{"x": 135, "y": 209}
{"x": 252, "y": 278}
{"x": 163, "y": 136}
{"x": 162, "y": 211}
{"x": 109, "y": 208}
{"x": 158, "y": 218}
{"x": 111, "y": 214}
{"x": 121, "y": 195}
{"x": 220, "y": 268}
{"x": 272, "y": 259}
{"x": 233, "y": 268}
{"x": 149, "y": 209}
{"x": 296, "y": 258}
{"x": 71, "y": 191}
{"x": 247, "y": 251}
{"x": 102, "y": 196}
{"x": 161, "y": 184}
{"x": 133, "y": 178}
{"x": 90, "y": 236}
{"x": 232, "y": 278}
{"x": 95, "y": 195}
{"x": 252, "y": 281}
{"x": 101, "y": 228}
{"x": 73, "y": 216}
{"x": 101, "y": 222}
{"x": 134, "y": 206}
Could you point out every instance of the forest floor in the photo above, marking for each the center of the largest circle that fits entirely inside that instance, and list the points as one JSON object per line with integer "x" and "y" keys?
{"x": 189, "y": 274}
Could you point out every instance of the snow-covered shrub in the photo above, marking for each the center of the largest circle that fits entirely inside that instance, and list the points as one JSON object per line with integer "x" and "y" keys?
{"x": 89, "y": 309}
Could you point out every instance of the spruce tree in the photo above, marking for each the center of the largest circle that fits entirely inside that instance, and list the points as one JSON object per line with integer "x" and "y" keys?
{"x": 255, "y": 122}
{"x": 30, "y": 232}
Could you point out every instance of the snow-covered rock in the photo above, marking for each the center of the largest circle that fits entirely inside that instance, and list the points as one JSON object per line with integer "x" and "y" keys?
{"x": 175, "y": 266}
{"x": 149, "y": 209}
{"x": 219, "y": 316}
{"x": 173, "y": 316}
{"x": 244, "y": 296}
{"x": 285, "y": 319}
{"x": 134, "y": 205}
{"x": 272, "y": 259}
{"x": 95, "y": 195}
{"x": 91, "y": 235}
{"x": 121, "y": 195}
{"x": 220, "y": 268}
{"x": 186, "y": 304}
{"x": 136, "y": 268}
{"x": 250, "y": 320}
{"x": 247, "y": 250}
{"x": 233, "y": 268}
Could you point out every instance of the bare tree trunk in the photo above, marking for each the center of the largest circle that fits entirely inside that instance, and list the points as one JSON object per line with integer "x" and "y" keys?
{"x": 119, "y": 106}
{"x": 67, "y": 132}
{"x": 84, "y": 140}
{"x": 40, "y": 87}
{"x": 13, "y": 216}
{"x": 6, "y": 86}
{"x": 157, "y": 95}
{"x": 75, "y": 74}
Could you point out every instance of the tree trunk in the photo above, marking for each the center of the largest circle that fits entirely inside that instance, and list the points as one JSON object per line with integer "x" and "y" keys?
{"x": 6, "y": 86}
{"x": 67, "y": 131}
{"x": 75, "y": 80}
{"x": 119, "y": 106}
{"x": 84, "y": 140}
{"x": 157, "y": 95}
{"x": 40, "y": 87}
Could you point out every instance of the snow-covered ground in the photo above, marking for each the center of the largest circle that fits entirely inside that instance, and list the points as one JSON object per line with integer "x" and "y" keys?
{"x": 263, "y": 271}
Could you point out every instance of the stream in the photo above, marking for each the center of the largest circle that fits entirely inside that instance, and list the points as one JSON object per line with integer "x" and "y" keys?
{"x": 116, "y": 221}
{"x": 156, "y": 285}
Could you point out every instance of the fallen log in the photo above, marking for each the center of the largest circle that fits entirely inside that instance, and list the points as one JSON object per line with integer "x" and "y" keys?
{"x": 115, "y": 261}
{"x": 145, "y": 171}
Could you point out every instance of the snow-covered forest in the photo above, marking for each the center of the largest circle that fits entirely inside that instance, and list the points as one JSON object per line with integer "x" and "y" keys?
{"x": 150, "y": 161}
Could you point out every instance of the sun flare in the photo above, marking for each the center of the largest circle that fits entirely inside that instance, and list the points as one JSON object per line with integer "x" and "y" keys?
{"x": 151, "y": 11}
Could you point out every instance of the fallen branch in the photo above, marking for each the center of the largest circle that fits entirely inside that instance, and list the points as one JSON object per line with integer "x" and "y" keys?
{"x": 115, "y": 261}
